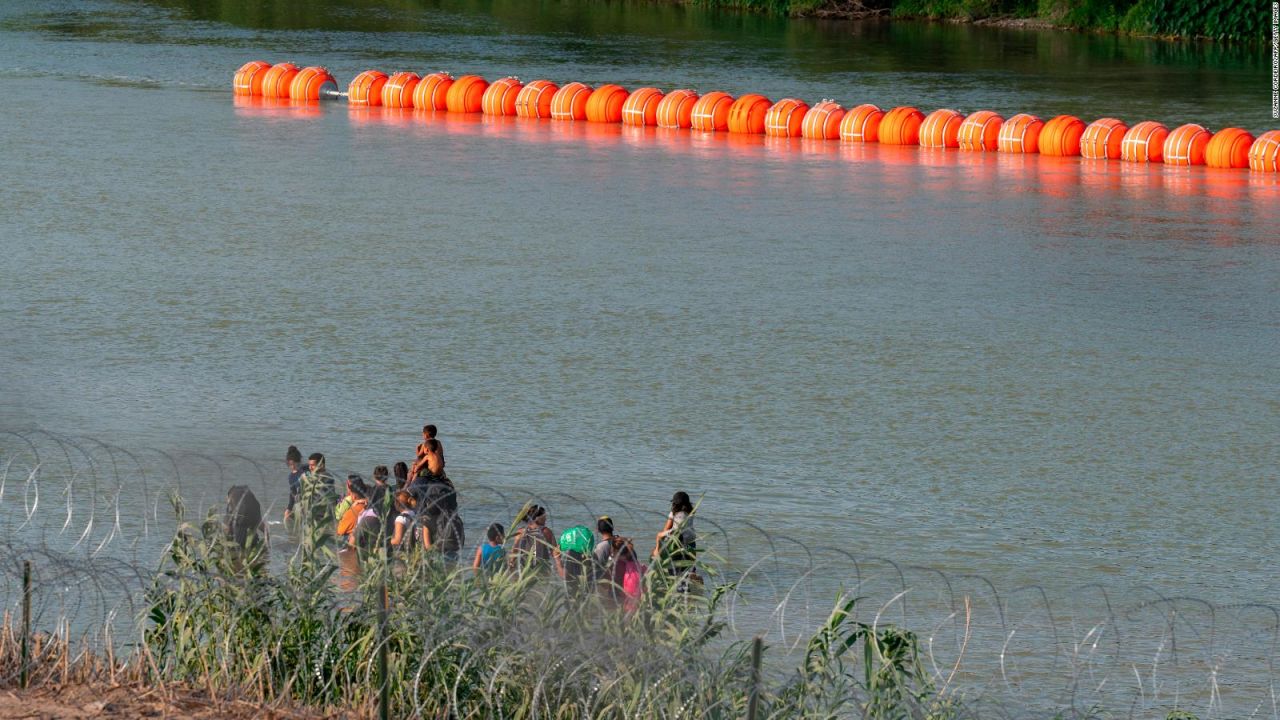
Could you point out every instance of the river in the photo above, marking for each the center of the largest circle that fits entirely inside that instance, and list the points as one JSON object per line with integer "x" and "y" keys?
{"x": 1039, "y": 371}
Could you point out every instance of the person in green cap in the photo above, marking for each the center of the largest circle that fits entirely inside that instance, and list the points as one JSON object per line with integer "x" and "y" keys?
{"x": 574, "y": 559}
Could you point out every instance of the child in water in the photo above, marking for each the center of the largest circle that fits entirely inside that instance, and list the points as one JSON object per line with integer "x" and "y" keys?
{"x": 489, "y": 553}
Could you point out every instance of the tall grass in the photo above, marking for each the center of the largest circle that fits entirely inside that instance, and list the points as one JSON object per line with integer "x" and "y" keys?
{"x": 511, "y": 645}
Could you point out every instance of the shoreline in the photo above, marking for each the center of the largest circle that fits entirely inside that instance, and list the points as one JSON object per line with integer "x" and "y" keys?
{"x": 66, "y": 700}
{"x": 1135, "y": 21}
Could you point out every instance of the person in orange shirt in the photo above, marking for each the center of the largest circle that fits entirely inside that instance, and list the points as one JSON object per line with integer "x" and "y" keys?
{"x": 352, "y": 505}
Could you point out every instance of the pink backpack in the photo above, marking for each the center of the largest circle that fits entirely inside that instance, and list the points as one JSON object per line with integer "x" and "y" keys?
{"x": 632, "y": 573}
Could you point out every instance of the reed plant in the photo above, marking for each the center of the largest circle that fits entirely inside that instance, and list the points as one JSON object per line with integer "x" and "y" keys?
{"x": 516, "y": 645}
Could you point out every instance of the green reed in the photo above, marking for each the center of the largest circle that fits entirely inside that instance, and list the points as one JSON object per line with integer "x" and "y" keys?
{"x": 507, "y": 645}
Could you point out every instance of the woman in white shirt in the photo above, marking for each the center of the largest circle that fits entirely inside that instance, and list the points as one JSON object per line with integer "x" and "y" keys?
{"x": 678, "y": 541}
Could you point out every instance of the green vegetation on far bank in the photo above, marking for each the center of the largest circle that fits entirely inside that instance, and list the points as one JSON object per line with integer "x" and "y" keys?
{"x": 1232, "y": 20}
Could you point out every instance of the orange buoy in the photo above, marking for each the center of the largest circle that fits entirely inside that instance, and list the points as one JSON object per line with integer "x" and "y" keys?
{"x": 1020, "y": 134}
{"x": 432, "y": 91}
{"x": 1102, "y": 139}
{"x": 980, "y": 131}
{"x": 366, "y": 88}
{"x": 570, "y": 102}
{"x": 711, "y": 112}
{"x": 275, "y": 82}
{"x": 941, "y": 129}
{"x": 534, "y": 100}
{"x": 676, "y": 109}
{"x": 747, "y": 114}
{"x": 822, "y": 122}
{"x": 1264, "y": 154}
{"x": 785, "y": 118}
{"x": 465, "y": 94}
{"x": 248, "y": 79}
{"x": 500, "y": 97}
{"x": 1228, "y": 148}
{"x": 901, "y": 126}
{"x": 1185, "y": 145}
{"x": 1061, "y": 136}
{"x": 641, "y": 107}
{"x": 397, "y": 91}
{"x": 604, "y": 105}
{"x": 862, "y": 124}
{"x": 1144, "y": 142}
{"x": 311, "y": 82}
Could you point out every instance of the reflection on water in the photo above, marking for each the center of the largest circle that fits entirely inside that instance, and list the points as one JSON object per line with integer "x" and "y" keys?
{"x": 929, "y": 65}
{"x": 936, "y": 170}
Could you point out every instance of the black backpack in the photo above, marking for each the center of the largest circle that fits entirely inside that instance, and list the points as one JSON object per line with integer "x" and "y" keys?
{"x": 437, "y": 496}
{"x": 447, "y": 532}
{"x": 530, "y": 547}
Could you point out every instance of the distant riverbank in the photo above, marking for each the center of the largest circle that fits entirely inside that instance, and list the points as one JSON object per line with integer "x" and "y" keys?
{"x": 1223, "y": 20}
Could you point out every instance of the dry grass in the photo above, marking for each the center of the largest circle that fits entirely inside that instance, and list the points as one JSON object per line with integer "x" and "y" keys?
{"x": 65, "y": 683}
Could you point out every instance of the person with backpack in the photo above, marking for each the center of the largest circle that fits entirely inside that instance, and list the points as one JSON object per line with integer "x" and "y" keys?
{"x": 442, "y": 528}
{"x": 406, "y": 522}
{"x": 534, "y": 545}
{"x": 242, "y": 520}
{"x": 677, "y": 545}
{"x": 602, "y": 555}
{"x": 349, "y": 509}
{"x": 576, "y": 566}
{"x": 627, "y": 581}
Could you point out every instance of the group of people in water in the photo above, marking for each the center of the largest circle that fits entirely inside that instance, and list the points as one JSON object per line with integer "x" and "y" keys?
{"x": 414, "y": 508}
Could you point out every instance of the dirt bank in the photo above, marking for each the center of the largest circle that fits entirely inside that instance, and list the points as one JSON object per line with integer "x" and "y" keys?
{"x": 134, "y": 701}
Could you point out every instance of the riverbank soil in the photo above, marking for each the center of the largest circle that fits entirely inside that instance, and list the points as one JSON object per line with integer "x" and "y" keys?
{"x": 133, "y": 701}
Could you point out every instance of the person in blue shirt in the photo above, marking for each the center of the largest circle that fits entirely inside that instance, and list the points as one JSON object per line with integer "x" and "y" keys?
{"x": 489, "y": 553}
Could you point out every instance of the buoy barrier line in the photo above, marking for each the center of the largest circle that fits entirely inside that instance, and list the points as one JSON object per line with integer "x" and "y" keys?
{"x": 604, "y": 104}
{"x": 641, "y": 107}
{"x": 862, "y": 124}
{"x": 901, "y": 126}
{"x": 534, "y": 100}
{"x": 785, "y": 118}
{"x": 248, "y": 79}
{"x": 500, "y": 97}
{"x": 397, "y": 91}
{"x": 465, "y": 94}
{"x": 313, "y": 84}
{"x": 1102, "y": 139}
{"x": 570, "y": 102}
{"x": 1144, "y": 143}
{"x": 980, "y": 132}
{"x": 366, "y": 88}
{"x": 1264, "y": 153}
{"x": 984, "y": 130}
{"x": 676, "y": 109}
{"x": 711, "y": 112}
{"x": 747, "y": 114}
{"x": 1229, "y": 148}
{"x": 822, "y": 122}
{"x": 1021, "y": 134}
{"x": 1185, "y": 145}
{"x": 1061, "y": 136}
{"x": 941, "y": 129}
{"x": 432, "y": 92}
{"x": 276, "y": 81}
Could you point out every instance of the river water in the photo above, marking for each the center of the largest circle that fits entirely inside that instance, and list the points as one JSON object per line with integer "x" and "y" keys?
{"x": 1032, "y": 370}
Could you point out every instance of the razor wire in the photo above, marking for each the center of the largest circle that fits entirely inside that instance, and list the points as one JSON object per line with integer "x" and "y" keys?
{"x": 96, "y": 521}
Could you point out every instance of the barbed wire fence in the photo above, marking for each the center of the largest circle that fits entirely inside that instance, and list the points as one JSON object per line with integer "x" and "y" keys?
{"x": 94, "y": 525}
